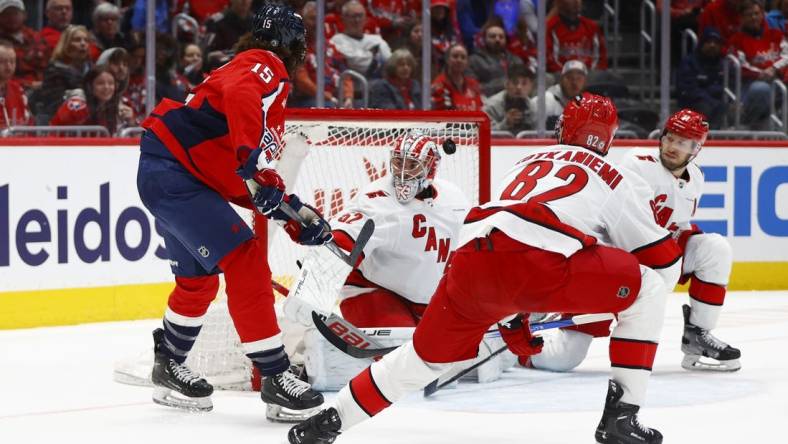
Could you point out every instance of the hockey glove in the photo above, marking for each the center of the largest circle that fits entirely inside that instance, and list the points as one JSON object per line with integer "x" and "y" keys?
{"x": 270, "y": 191}
{"x": 517, "y": 335}
{"x": 314, "y": 231}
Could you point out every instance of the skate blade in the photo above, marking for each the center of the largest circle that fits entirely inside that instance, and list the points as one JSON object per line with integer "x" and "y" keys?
{"x": 277, "y": 413}
{"x": 167, "y": 397}
{"x": 701, "y": 364}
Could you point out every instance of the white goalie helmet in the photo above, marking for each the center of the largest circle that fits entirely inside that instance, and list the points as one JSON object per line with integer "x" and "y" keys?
{"x": 413, "y": 164}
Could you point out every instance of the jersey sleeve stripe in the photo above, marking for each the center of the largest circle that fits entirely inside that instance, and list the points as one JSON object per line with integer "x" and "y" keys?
{"x": 632, "y": 353}
{"x": 659, "y": 254}
{"x": 536, "y": 214}
{"x": 367, "y": 394}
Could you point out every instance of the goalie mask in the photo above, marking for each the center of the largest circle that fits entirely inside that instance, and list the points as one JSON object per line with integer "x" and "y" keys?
{"x": 414, "y": 161}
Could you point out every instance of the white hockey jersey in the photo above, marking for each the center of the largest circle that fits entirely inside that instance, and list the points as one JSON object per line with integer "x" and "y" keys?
{"x": 583, "y": 190}
{"x": 410, "y": 246}
{"x": 674, "y": 200}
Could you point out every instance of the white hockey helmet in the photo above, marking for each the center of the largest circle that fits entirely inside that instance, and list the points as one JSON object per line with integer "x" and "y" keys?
{"x": 414, "y": 162}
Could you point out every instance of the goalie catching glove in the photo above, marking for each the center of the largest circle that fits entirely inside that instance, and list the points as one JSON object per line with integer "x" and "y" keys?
{"x": 516, "y": 333}
{"x": 267, "y": 192}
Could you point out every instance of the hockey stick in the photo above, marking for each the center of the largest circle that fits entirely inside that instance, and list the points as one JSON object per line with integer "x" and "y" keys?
{"x": 434, "y": 386}
{"x": 361, "y": 240}
{"x": 347, "y": 337}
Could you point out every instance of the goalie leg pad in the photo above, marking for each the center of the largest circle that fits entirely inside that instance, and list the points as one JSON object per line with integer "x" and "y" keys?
{"x": 563, "y": 350}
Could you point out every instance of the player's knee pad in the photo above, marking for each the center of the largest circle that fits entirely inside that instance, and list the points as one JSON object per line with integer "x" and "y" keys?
{"x": 709, "y": 257}
{"x": 563, "y": 351}
{"x": 643, "y": 319}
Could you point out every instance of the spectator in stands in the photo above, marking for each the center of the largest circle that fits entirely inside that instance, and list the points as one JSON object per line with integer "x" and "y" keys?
{"x": 225, "y": 28}
{"x": 764, "y": 59}
{"x": 136, "y": 92}
{"x": 190, "y": 64}
{"x": 59, "y": 14}
{"x": 683, "y": 15}
{"x": 201, "y": 9}
{"x": 444, "y": 28}
{"x": 392, "y": 18}
{"x": 106, "y": 28}
{"x": 453, "y": 89}
{"x": 117, "y": 61}
{"x": 472, "y": 16}
{"x": 511, "y": 109}
{"x": 66, "y": 70}
{"x": 169, "y": 84}
{"x": 776, "y": 17}
{"x": 96, "y": 104}
{"x": 699, "y": 78}
{"x": 723, "y": 15}
{"x": 572, "y": 83}
{"x": 571, "y": 36}
{"x": 365, "y": 53}
{"x": 13, "y": 100}
{"x": 523, "y": 43}
{"x": 397, "y": 89}
{"x": 491, "y": 62}
{"x": 32, "y": 54}
{"x": 305, "y": 78}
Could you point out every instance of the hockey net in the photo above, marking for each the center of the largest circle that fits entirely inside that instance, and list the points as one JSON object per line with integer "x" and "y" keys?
{"x": 346, "y": 150}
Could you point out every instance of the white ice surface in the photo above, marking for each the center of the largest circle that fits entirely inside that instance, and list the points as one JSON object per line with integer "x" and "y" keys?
{"x": 56, "y": 387}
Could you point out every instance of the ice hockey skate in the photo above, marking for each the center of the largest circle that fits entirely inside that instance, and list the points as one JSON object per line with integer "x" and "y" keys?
{"x": 289, "y": 398}
{"x": 175, "y": 385}
{"x": 697, "y": 343}
{"x": 322, "y": 428}
{"x": 619, "y": 423}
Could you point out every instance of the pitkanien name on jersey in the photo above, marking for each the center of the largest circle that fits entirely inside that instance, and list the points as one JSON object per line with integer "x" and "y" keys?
{"x": 607, "y": 173}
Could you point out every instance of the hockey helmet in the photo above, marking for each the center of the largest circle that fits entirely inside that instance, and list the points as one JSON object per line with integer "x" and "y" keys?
{"x": 282, "y": 27}
{"x": 589, "y": 121}
{"x": 691, "y": 126}
{"x": 413, "y": 164}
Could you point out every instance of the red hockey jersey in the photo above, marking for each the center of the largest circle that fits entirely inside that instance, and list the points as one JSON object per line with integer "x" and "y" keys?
{"x": 583, "y": 42}
{"x": 720, "y": 15}
{"x": 445, "y": 96}
{"x": 756, "y": 53}
{"x": 239, "y": 106}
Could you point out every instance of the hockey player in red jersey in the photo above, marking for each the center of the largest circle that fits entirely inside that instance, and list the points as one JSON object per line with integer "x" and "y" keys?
{"x": 677, "y": 187}
{"x": 196, "y": 158}
{"x": 535, "y": 248}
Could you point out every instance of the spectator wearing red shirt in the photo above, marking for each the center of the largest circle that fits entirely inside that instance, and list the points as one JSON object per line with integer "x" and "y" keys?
{"x": 491, "y": 62}
{"x": 32, "y": 54}
{"x": 305, "y": 78}
{"x": 12, "y": 96}
{"x": 59, "y": 14}
{"x": 391, "y": 18}
{"x": 96, "y": 104}
{"x": 397, "y": 89}
{"x": 444, "y": 28}
{"x": 571, "y": 36}
{"x": 683, "y": 15}
{"x": 763, "y": 54}
{"x": 453, "y": 89}
{"x": 202, "y": 9}
{"x": 723, "y": 15}
{"x": 523, "y": 44}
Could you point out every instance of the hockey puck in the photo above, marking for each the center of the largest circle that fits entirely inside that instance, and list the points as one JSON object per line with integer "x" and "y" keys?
{"x": 449, "y": 147}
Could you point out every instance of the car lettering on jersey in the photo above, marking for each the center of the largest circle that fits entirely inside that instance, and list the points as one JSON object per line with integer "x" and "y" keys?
{"x": 662, "y": 212}
{"x": 441, "y": 245}
{"x": 604, "y": 170}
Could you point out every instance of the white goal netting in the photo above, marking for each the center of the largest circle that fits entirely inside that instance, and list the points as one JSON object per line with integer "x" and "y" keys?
{"x": 345, "y": 151}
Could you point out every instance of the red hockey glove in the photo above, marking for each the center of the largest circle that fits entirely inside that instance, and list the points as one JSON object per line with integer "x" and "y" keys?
{"x": 517, "y": 335}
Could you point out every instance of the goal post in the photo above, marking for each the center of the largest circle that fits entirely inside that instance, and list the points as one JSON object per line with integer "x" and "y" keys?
{"x": 329, "y": 155}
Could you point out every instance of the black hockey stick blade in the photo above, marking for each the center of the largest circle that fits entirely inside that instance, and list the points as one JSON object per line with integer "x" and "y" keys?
{"x": 347, "y": 338}
{"x": 434, "y": 386}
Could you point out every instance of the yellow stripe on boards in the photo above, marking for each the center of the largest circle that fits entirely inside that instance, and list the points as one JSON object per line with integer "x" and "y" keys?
{"x": 24, "y": 309}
